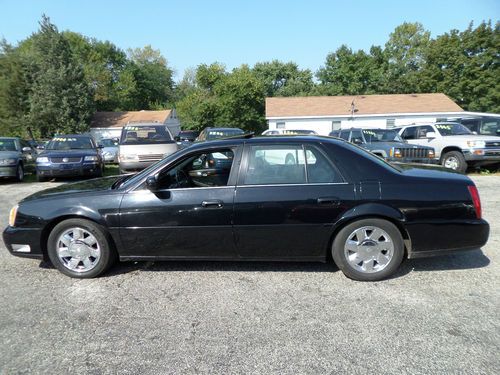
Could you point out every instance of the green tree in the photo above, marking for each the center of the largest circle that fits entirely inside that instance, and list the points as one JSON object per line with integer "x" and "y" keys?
{"x": 283, "y": 79}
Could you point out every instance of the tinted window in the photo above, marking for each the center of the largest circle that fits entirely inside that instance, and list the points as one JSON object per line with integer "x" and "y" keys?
{"x": 223, "y": 133}
{"x": 134, "y": 135}
{"x": 491, "y": 127}
{"x": 200, "y": 170}
{"x": 423, "y": 130}
{"x": 273, "y": 164}
{"x": 70, "y": 143}
{"x": 344, "y": 134}
{"x": 8, "y": 145}
{"x": 319, "y": 168}
{"x": 409, "y": 133}
{"x": 356, "y": 137}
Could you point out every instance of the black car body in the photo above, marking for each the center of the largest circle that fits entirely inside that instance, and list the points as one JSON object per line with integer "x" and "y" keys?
{"x": 258, "y": 207}
{"x": 187, "y": 136}
{"x": 16, "y": 157}
{"x": 69, "y": 156}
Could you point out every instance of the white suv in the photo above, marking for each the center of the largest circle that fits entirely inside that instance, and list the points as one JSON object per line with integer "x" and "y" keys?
{"x": 455, "y": 146}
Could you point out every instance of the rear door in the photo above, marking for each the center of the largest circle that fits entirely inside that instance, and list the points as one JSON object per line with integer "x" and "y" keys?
{"x": 287, "y": 198}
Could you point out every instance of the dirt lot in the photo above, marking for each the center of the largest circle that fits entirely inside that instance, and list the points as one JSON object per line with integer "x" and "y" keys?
{"x": 439, "y": 315}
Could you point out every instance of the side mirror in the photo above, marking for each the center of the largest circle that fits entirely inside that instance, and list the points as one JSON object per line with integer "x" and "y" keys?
{"x": 26, "y": 149}
{"x": 40, "y": 147}
{"x": 177, "y": 138}
{"x": 430, "y": 135}
{"x": 100, "y": 146}
{"x": 152, "y": 183}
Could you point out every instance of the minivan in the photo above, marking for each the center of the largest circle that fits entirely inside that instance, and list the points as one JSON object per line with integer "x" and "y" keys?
{"x": 143, "y": 144}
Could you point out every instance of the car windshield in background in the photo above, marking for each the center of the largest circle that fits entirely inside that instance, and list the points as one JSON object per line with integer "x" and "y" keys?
{"x": 108, "y": 143}
{"x": 215, "y": 134}
{"x": 452, "y": 129}
{"x": 136, "y": 135}
{"x": 491, "y": 127}
{"x": 70, "y": 143}
{"x": 7, "y": 145}
{"x": 381, "y": 135}
{"x": 297, "y": 132}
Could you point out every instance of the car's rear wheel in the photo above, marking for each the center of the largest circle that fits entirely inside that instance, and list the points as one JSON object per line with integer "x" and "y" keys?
{"x": 80, "y": 248}
{"x": 20, "y": 173}
{"x": 368, "y": 249}
{"x": 454, "y": 160}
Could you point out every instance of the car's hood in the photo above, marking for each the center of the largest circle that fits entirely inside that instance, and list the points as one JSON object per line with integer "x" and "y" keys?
{"x": 96, "y": 184}
{"x": 474, "y": 137}
{"x": 431, "y": 171}
{"x": 111, "y": 150}
{"x": 68, "y": 153}
{"x": 9, "y": 154}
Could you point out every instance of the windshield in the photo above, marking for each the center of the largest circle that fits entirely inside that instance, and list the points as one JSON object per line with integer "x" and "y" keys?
{"x": 223, "y": 133}
{"x": 108, "y": 143}
{"x": 8, "y": 145}
{"x": 136, "y": 135}
{"x": 69, "y": 143}
{"x": 294, "y": 132}
{"x": 381, "y": 135}
{"x": 452, "y": 129}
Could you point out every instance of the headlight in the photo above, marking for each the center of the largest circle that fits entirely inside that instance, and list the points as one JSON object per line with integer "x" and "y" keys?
{"x": 479, "y": 144}
{"x": 12, "y": 215}
{"x": 397, "y": 153}
{"x": 90, "y": 158}
{"x": 42, "y": 159}
{"x": 7, "y": 161}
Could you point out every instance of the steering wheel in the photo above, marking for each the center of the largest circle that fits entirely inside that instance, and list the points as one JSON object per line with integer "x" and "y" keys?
{"x": 181, "y": 178}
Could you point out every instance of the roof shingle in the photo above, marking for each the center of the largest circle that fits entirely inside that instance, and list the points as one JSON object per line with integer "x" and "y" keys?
{"x": 364, "y": 105}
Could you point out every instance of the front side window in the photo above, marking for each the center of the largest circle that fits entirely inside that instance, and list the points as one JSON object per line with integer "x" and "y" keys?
{"x": 423, "y": 130}
{"x": 207, "y": 169}
{"x": 357, "y": 137}
{"x": 8, "y": 145}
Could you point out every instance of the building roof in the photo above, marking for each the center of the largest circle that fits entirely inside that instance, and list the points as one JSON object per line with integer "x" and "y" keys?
{"x": 120, "y": 119}
{"x": 312, "y": 106}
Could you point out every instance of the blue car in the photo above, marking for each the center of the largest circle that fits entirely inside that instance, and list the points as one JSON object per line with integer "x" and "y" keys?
{"x": 70, "y": 156}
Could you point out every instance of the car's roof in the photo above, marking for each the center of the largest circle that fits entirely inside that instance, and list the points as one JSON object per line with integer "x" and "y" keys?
{"x": 145, "y": 124}
{"x": 10, "y": 138}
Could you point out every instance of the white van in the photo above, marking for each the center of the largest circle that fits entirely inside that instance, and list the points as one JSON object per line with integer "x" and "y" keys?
{"x": 143, "y": 144}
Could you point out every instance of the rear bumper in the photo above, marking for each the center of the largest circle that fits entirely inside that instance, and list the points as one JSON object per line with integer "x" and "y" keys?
{"x": 9, "y": 171}
{"x": 23, "y": 242}
{"x": 429, "y": 239}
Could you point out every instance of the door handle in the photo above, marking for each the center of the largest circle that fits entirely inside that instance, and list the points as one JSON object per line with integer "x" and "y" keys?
{"x": 334, "y": 201}
{"x": 213, "y": 204}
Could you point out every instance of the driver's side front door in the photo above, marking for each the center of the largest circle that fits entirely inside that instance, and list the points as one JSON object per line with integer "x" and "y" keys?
{"x": 188, "y": 216}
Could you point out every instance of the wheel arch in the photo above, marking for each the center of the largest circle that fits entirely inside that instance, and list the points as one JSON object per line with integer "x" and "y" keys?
{"x": 372, "y": 211}
{"x": 448, "y": 149}
{"x": 44, "y": 237}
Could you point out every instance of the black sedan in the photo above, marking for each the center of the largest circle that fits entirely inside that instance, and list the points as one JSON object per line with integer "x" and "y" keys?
{"x": 335, "y": 200}
{"x": 68, "y": 156}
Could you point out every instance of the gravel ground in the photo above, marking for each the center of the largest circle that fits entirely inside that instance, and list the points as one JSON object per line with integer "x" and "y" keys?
{"x": 438, "y": 315}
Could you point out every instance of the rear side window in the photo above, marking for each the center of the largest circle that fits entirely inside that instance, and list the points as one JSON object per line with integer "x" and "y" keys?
{"x": 288, "y": 164}
{"x": 409, "y": 133}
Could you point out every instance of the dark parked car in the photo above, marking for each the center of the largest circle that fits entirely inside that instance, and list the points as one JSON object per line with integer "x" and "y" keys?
{"x": 482, "y": 125}
{"x": 387, "y": 144}
{"x": 187, "y": 136}
{"x": 209, "y": 134}
{"x": 16, "y": 158}
{"x": 68, "y": 156}
{"x": 335, "y": 199}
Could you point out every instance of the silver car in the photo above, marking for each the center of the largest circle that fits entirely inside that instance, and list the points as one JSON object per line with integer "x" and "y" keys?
{"x": 143, "y": 144}
{"x": 109, "y": 150}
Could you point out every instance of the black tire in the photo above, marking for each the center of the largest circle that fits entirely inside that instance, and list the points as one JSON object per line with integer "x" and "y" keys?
{"x": 106, "y": 253}
{"x": 20, "y": 173}
{"x": 353, "y": 271}
{"x": 41, "y": 178}
{"x": 457, "y": 159}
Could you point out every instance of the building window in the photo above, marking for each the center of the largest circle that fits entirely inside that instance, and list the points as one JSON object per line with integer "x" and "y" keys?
{"x": 390, "y": 123}
{"x": 336, "y": 125}
{"x": 280, "y": 125}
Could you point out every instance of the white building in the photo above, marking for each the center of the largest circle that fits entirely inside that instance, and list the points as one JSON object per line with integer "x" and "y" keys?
{"x": 326, "y": 113}
{"x": 110, "y": 124}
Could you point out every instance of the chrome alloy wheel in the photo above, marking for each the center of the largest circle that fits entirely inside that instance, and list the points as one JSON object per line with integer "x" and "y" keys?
{"x": 451, "y": 162}
{"x": 78, "y": 250}
{"x": 369, "y": 249}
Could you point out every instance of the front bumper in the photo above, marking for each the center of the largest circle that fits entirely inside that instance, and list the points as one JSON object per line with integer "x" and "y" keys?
{"x": 482, "y": 155}
{"x": 429, "y": 239}
{"x": 23, "y": 242}
{"x": 67, "y": 170}
{"x": 8, "y": 171}
{"x": 135, "y": 166}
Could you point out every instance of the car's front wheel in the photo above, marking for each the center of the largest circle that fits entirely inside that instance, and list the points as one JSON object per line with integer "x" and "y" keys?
{"x": 368, "y": 249}
{"x": 80, "y": 248}
{"x": 20, "y": 173}
{"x": 454, "y": 160}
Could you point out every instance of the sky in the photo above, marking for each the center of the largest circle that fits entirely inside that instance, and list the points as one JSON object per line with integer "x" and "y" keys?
{"x": 192, "y": 32}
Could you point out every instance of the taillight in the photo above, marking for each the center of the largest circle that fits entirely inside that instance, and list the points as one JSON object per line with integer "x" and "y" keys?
{"x": 475, "y": 200}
